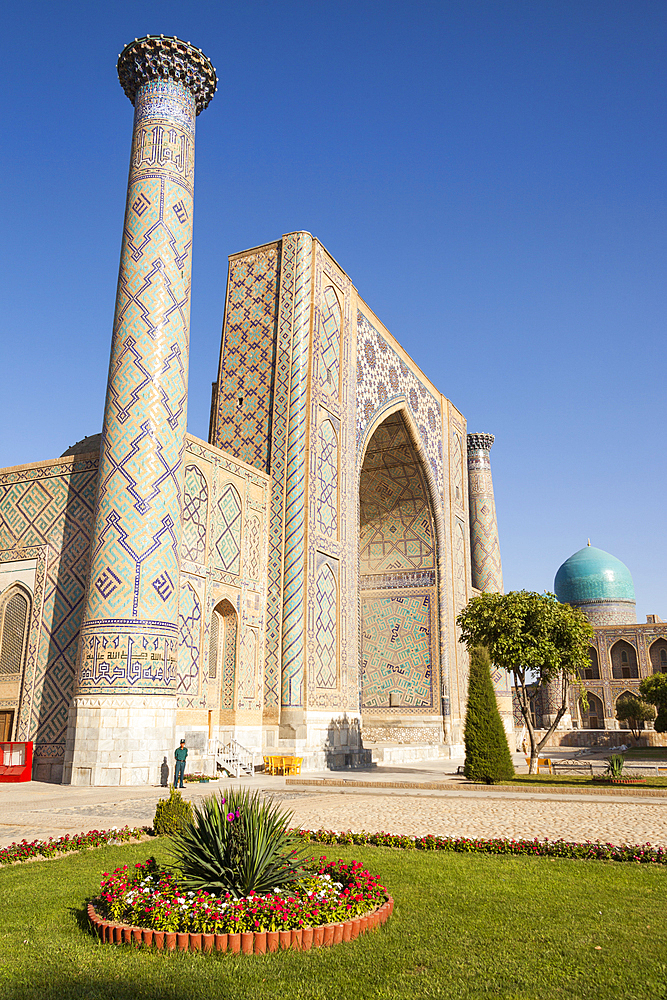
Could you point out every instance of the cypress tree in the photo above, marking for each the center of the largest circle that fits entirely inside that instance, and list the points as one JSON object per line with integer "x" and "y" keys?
{"x": 488, "y": 757}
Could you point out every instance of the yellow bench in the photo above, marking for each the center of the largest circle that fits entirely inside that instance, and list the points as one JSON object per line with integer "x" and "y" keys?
{"x": 541, "y": 762}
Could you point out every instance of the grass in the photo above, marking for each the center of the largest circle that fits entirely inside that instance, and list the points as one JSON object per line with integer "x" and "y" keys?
{"x": 464, "y": 926}
{"x": 578, "y": 780}
{"x": 646, "y": 753}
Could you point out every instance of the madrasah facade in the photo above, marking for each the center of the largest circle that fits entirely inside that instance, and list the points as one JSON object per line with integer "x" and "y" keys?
{"x": 293, "y": 583}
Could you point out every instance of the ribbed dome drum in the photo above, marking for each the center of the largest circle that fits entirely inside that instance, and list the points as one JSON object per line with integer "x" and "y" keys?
{"x": 598, "y": 583}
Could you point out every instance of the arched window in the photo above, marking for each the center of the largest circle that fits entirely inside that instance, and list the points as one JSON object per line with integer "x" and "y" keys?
{"x": 623, "y": 660}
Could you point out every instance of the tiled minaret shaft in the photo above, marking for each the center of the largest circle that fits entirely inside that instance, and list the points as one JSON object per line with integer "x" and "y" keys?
{"x": 126, "y": 693}
{"x": 487, "y": 570}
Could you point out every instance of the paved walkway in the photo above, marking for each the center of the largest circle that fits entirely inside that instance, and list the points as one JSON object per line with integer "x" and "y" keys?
{"x": 35, "y": 810}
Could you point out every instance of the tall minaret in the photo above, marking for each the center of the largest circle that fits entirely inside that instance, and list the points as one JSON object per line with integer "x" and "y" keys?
{"x": 487, "y": 570}
{"x": 123, "y": 715}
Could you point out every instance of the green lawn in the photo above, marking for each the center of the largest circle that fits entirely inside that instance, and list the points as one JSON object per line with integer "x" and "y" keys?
{"x": 646, "y": 753}
{"x": 579, "y": 780}
{"x": 464, "y": 926}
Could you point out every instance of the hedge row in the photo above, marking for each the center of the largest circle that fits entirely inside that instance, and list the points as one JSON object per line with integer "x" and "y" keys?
{"x": 641, "y": 853}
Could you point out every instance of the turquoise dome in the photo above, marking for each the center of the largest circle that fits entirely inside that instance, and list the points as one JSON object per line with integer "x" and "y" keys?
{"x": 593, "y": 575}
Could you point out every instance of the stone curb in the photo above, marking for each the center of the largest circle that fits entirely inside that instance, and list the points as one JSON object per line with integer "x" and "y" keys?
{"x": 452, "y": 786}
{"x": 245, "y": 942}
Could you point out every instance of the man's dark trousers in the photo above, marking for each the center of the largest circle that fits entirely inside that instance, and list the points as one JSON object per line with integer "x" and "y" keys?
{"x": 179, "y": 771}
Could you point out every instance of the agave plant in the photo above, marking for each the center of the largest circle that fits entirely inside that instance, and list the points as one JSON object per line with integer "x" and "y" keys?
{"x": 615, "y": 765}
{"x": 237, "y": 843}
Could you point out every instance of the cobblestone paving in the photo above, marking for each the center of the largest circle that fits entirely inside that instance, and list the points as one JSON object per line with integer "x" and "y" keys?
{"x": 468, "y": 814}
{"x": 471, "y": 816}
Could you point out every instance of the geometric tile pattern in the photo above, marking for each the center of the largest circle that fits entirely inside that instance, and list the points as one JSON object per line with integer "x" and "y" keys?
{"x": 227, "y": 547}
{"x": 189, "y": 638}
{"x": 396, "y": 528}
{"x": 195, "y": 512}
{"x": 396, "y": 651}
{"x": 247, "y": 693}
{"x": 253, "y": 564}
{"x": 327, "y": 472}
{"x": 330, "y": 317}
{"x": 326, "y": 629}
{"x": 138, "y": 515}
{"x": 382, "y": 376}
{"x": 278, "y": 468}
{"x": 245, "y": 383}
{"x": 46, "y": 513}
{"x": 293, "y": 658}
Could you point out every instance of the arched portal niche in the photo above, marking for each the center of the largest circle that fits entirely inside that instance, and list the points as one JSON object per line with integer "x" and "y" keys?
{"x": 658, "y": 655}
{"x": 15, "y": 608}
{"x": 623, "y": 660}
{"x": 592, "y": 672}
{"x": 398, "y": 587}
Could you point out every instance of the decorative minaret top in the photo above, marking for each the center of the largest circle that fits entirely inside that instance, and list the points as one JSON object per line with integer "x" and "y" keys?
{"x": 480, "y": 442}
{"x": 157, "y": 58}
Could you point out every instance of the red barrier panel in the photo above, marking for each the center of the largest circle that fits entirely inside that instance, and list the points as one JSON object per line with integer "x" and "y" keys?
{"x": 16, "y": 761}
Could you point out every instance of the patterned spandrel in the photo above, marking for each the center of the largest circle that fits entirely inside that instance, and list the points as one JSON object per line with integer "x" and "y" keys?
{"x": 396, "y": 529}
{"x": 227, "y": 546}
{"x": 330, "y": 319}
{"x": 327, "y": 474}
{"x": 326, "y": 643}
{"x": 382, "y": 376}
{"x": 242, "y": 419}
{"x": 189, "y": 636}
{"x": 48, "y": 512}
{"x": 396, "y": 650}
{"x": 195, "y": 514}
{"x": 247, "y": 693}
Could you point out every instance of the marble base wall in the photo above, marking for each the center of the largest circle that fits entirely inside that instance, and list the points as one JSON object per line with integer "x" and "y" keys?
{"x": 120, "y": 740}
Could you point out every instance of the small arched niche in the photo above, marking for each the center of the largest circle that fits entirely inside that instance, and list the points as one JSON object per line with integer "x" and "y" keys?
{"x": 593, "y": 716}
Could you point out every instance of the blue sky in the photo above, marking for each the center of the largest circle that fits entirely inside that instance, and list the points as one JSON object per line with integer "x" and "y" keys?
{"x": 490, "y": 174}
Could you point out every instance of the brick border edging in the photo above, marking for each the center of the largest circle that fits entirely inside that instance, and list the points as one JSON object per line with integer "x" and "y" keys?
{"x": 244, "y": 942}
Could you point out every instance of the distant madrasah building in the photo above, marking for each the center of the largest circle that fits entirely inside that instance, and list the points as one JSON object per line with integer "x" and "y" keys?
{"x": 288, "y": 584}
{"x": 623, "y": 651}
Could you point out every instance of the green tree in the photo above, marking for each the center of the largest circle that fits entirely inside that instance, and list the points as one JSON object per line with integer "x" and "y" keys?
{"x": 635, "y": 712}
{"x": 488, "y": 756}
{"x": 654, "y": 690}
{"x": 536, "y": 639}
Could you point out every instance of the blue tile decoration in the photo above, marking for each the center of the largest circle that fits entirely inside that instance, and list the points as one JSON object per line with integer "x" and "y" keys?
{"x": 195, "y": 515}
{"x": 326, "y": 629}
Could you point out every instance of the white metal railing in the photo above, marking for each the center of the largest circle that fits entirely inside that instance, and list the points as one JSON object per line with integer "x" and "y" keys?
{"x": 236, "y": 759}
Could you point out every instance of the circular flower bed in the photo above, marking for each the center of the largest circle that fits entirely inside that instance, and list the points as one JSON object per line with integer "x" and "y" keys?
{"x": 148, "y": 904}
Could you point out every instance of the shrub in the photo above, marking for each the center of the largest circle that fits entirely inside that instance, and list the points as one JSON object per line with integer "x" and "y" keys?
{"x": 488, "y": 756}
{"x": 635, "y": 711}
{"x": 615, "y": 765}
{"x": 654, "y": 690}
{"x": 172, "y": 814}
{"x": 237, "y": 843}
